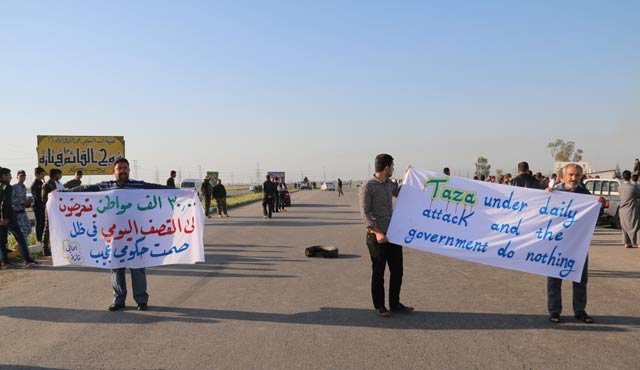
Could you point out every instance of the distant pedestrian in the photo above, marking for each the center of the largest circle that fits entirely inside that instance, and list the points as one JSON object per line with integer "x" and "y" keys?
{"x": 9, "y": 223}
{"x": 268, "y": 196}
{"x": 376, "y": 207}
{"x": 75, "y": 182}
{"x": 20, "y": 203}
{"x": 220, "y": 195}
{"x": 340, "y": 193}
{"x": 38, "y": 204}
{"x": 171, "y": 182}
{"x": 282, "y": 194}
{"x": 629, "y": 211}
{"x": 206, "y": 189}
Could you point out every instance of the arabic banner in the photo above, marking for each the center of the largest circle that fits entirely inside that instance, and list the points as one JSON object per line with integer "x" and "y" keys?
{"x": 94, "y": 155}
{"x": 499, "y": 225}
{"x": 126, "y": 228}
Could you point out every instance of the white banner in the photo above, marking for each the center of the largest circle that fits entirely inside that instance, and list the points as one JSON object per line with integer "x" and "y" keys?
{"x": 499, "y": 225}
{"x": 126, "y": 228}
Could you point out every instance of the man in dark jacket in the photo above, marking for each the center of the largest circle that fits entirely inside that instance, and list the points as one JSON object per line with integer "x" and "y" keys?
{"x": 38, "y": 204}
{"x": 9, "y": 223}
{"x": 269, "y": 193}
{"x": 206, "y": 191}
{"x": 220, "y": 195}
{"x": 524, "y": 178}
{"x": 55, "y": 174}
{"x": 75, "y": 182}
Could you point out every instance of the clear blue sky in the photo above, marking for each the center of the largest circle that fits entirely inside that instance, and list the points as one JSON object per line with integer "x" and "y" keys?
{"x": 319, "y": 87}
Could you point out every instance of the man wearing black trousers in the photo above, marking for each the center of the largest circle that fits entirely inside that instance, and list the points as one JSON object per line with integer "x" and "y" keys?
{"x": 376, "y": 207}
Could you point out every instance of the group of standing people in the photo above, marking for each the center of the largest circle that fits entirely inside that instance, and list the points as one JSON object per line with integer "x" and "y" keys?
{"x": 217, "y": 192}
{"x": 14, "y": 203}
{"x": 274, "y": 196}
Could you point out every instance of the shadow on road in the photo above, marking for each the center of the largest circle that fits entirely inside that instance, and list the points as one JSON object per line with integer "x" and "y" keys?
{"x": 318, "y": 205}
{"x": 326, "y": 316}
{"x": 614, "y": 274}
{"x": 27, "y": 367}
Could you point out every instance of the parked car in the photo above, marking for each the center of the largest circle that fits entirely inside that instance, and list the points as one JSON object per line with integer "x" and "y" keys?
{"x": 328, "y": 186}
{"x": 607, "y": 189}
{"x": 255, "y": 188}
{"x": 194, "y": 184}
{"x": 305, "y": 186}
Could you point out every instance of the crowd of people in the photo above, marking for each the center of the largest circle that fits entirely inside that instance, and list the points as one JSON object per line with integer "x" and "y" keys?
{"x": 376, "y": 209}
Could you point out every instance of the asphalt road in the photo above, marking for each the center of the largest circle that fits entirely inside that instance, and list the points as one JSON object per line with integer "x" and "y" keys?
{"x": 259, "y": 303}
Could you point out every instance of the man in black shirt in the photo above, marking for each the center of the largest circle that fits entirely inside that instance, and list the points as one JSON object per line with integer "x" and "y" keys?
{"x": 269, "y": 193}
{"x": 524, "y": 178}
{"x": 171, "y": 182}
{"x": 38, "y": 204}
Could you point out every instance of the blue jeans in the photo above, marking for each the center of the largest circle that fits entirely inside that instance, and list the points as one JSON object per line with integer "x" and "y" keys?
{"x": 20, "y": 238}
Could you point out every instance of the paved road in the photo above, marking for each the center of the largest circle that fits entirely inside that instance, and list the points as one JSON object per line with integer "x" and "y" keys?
{"x": 258, "y": 303}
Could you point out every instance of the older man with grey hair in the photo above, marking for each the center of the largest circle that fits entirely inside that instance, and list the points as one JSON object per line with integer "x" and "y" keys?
{"x": 571, "y": 176}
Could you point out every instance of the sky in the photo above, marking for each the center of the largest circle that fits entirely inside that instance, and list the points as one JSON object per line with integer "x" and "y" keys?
{"x": 318, "y": 88}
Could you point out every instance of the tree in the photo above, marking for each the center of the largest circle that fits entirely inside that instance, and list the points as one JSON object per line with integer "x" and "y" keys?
{"x": 482, "y": 167}
{"x": 563, "y": 151}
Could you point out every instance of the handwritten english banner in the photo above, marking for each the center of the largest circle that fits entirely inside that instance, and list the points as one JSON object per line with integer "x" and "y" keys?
{"x": 498, "y": 225}
{"x": 126, "y": 228}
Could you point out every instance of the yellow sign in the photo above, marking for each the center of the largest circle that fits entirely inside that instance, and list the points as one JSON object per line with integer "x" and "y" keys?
{"x": 94, "y": 155}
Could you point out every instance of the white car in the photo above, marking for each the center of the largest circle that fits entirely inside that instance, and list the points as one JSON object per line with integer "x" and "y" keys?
{"x": 328, "y": 186}
{"x": 191, "y": 184}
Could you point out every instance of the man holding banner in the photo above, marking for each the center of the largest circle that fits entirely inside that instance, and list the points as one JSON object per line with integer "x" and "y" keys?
{"x": 571, "y": 176}
{"x": 518, "y": 228}
{"x": 376, "y": 207}
{"x": 138, "y": 275}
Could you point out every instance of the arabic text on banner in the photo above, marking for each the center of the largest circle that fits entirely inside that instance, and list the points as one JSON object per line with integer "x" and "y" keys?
{"x": 126, "y": 228}
{"x": 515, "y": 228}
{"x": 94, "y": 155}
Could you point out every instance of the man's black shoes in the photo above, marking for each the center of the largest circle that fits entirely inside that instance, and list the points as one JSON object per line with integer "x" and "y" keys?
{"x": 401, "y": 308}
{"x": 382, "y": 312}
{"x": 142, "y": 307}
{"x": 116, "y": 306}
